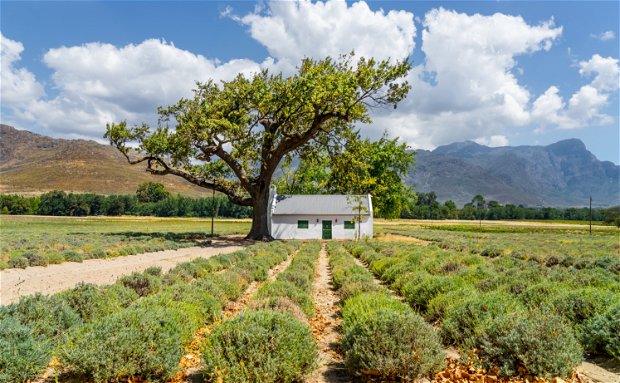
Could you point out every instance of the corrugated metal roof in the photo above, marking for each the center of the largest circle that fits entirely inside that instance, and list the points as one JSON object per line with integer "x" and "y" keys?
{"x": 336, "y": 204}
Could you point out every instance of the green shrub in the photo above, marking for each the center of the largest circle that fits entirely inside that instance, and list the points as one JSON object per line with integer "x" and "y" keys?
{"x": 287, "y": 289}
{"x": 261, "y": 346}
{"x": 356, "y": 284}
{"x": 601, "y": 334}
{"x": 154, "y": 271}
{"x": 541, "y": 294}
{"x": 46, "y": 316}
{"x": 35, "y": 259}
{"x": 463, "y": 317}
{"x": 96, "y": 254}
{"x": 540, "y": 342}
{"x": 365, "y": 305}
{"x": 581, "y": 305}
{"x": 72, "y": 256}
{"x": 281, "y": 304}
{"x": 491, "y": 252}
{"x": 392, "y": 345}
{"x": 54, "y": 258}
{"x": 22, "y": 355}
{"x": 144, "y": 340}
{"x": 208, "y": 306}
{"x": 142, "y": 283}
{"x": 92, "y": 302}
{"x": 18, "y": 262}
{"x": 299, "y": 278}
{"x": 419, "y": 292}
{"x": 438, "y": 306}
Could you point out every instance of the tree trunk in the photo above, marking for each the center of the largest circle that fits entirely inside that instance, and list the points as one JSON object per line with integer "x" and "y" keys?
{"x": 260, "y": 223}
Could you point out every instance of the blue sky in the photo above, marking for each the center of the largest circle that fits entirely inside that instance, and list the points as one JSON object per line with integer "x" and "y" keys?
{"x": 499, "y": 73}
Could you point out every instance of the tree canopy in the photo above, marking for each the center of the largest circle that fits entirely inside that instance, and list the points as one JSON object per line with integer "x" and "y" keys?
{"x": 151, "y": 192}
{"x": 232, "y": 136}
{"x": 354, "y": 167}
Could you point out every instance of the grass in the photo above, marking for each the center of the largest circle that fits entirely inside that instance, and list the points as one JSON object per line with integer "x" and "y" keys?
{"x": 538, "y": 242}
{"x": 39, "y": 241}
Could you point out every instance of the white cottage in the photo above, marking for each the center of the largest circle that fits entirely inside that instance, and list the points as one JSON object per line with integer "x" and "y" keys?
{"x": 320, "y": 216}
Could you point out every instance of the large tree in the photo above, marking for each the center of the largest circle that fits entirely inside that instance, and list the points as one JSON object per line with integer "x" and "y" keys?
{"x": 232, "y": 136}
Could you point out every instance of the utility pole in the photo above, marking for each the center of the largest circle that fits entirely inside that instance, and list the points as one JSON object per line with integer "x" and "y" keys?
{"x": 590, "y": 215}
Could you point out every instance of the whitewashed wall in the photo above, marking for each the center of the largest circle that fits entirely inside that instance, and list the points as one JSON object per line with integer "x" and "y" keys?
{"x": 285, "y": 227}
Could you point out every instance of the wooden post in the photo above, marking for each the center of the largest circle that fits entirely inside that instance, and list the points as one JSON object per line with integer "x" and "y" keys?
{"x": 590, "y": 215}
{"x": 212, "y": 211}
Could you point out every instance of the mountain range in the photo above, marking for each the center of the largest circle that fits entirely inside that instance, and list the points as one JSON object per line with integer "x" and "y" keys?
{"x": 561, "y": 175}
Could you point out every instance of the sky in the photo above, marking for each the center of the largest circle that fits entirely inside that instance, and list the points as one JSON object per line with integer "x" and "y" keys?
{"x": 498, "y": 73}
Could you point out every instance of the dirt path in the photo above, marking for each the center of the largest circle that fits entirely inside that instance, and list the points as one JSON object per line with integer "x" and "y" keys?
{"x": 325, "y": 327}
{"x": 234, "y": 307}
{"x": 15, "y": 283}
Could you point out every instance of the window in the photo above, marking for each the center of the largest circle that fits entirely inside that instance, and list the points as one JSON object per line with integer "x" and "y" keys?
{"x": 349, "y": 225}
{"x": 302, "y": 224}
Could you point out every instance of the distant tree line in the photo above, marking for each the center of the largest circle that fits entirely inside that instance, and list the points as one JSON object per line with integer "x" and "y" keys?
{"x": 426, "y": 206}
{"x": 145, "y": 203}
{"x": 151, "y": 199}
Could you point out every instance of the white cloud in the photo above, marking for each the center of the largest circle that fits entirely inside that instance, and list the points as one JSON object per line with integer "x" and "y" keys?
{"x": 293, "y": 30}
{"x": 99, "y": 83}
{"x": 585, "y": 106}
{"x": 466, "y": 87}
{"x": 18, "y": 85}
{"x": 606, "y": 72}
{"x": 604, "y": 36}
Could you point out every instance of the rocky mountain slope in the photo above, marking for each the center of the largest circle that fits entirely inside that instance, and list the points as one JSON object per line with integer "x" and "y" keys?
{"x": 562, "y": 174}
{"x": 32, "y": 164}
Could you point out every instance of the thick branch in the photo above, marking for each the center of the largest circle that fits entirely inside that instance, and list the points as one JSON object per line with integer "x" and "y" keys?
{"x": 224, "y": 186}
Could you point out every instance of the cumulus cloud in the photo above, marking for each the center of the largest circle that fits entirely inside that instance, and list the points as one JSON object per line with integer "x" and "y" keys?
{"x": 99, "y": 83}
{"x": 18, "y": 85}
{"x": 585, "y": 106}
{"x": 293, "y": 30}
{"x": 466, "y": 88}
{"x": 604, "y": 36}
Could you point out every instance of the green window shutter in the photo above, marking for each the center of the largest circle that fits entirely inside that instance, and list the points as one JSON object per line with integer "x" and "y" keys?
{"x": 349, "y": 225}
{"x": 302, "y": 224}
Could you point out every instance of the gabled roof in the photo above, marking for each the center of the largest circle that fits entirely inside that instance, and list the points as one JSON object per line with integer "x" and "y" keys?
{"x": 313, "y": 204}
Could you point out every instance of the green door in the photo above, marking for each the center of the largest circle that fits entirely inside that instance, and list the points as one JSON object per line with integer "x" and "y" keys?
{"x": 327, "y": 229}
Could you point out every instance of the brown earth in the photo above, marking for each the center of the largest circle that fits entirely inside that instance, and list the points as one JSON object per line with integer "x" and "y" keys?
{"x": 326, "y": 327}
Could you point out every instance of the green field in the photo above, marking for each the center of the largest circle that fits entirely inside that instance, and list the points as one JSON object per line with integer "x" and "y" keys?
{"x": 517, "y": 299}
{"x": 39, "y": 241}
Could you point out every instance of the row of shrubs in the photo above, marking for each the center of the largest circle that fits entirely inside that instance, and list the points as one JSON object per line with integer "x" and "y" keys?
{"x": 271, "y": 342}
{"x": 382, "y": 336}
{"x": 46, "y": 257}
{"x": 554, "y": 247}
{"x": 516, "y": 314}
{"x": 136, "y": 326}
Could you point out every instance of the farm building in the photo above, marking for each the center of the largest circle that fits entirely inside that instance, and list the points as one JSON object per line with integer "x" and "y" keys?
{"x": 320, "y": 216}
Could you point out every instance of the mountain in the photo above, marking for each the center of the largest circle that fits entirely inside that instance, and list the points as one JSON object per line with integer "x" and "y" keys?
{"x": 562, "y": 174}
{"x": 32, "y": 164}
